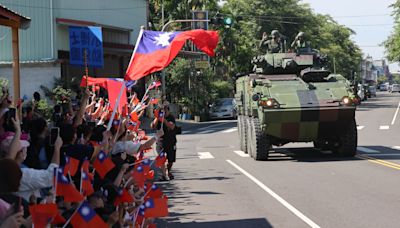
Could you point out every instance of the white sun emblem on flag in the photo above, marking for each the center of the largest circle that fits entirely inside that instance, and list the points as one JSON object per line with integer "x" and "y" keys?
{"x": 163, "y": 39}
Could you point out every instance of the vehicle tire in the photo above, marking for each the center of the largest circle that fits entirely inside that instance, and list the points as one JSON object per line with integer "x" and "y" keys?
{"x": 347, "y": 141}
{"x": 249, "y": 141}
{"x": 242, "y": 133}
{"x": 260, "y": 142}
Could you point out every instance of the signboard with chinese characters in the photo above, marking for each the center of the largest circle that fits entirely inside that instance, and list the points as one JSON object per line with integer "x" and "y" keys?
{"x": 89, "y": 39}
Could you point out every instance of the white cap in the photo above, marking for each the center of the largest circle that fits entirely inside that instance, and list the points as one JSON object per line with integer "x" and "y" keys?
{"x": 129, "y": 147}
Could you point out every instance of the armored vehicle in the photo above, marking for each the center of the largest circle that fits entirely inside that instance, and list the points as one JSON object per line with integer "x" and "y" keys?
{"x": 290, "y": 97}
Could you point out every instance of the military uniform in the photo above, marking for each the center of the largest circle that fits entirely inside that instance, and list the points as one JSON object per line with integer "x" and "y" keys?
{"x": 272, "y": 45}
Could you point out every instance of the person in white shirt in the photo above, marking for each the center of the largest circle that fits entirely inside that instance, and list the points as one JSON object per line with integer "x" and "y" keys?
{"x": 32, "y": 179}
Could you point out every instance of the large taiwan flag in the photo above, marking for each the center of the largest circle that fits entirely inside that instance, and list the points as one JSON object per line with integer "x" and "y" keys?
{"x": 156, "y": 49}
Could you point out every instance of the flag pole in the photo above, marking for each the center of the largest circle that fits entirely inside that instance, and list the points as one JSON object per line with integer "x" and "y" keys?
{"x": 123, "y": 83}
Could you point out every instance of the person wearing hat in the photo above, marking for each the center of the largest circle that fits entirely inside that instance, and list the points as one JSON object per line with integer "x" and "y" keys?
{"x": 299, "y": 41}
{"x": 272, "y": 45}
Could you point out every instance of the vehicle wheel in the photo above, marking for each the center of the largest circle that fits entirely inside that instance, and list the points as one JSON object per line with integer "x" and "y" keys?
{"x": 347, "y": 141}
{"x": 249, "y": 141}
{"x": 242, "y": 133}
{"x": 260, "y": 142}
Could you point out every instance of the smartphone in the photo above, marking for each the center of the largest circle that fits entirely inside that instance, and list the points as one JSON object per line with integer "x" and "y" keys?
{"x": 11, "y": 114}
{"x": 17, "y": 206}
{"x": 54, "y": 132}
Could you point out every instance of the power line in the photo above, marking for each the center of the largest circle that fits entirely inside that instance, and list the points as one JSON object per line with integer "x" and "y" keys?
{"x": 83, "y": 9}
{"x": 297, "y": 17}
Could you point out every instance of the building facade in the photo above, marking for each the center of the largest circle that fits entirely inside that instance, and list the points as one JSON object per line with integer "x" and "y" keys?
{"x": 372, "y": 69}
{"x": 44, "y": 47}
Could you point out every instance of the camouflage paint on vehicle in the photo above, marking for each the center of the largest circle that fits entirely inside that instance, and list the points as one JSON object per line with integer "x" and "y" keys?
{"x": 310, "y": 101}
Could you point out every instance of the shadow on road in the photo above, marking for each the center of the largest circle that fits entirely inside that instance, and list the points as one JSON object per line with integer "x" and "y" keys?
{"x": 242, "y": 223}
{"x": 309, "y": 154}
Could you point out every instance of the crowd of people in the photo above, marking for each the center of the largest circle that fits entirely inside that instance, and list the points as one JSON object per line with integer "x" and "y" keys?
{"x": 84, "y": 167}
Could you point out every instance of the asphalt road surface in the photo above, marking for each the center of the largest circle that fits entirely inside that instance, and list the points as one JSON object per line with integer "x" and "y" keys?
{"x": 217, "y": 185}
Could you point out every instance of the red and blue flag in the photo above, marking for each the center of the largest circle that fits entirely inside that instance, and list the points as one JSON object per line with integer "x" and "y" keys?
{"x": 156, "y": 50}
{"x": 65, "y": 188}
{"x": 123, "y": 196}
{"x": 71, "y": 166}
{"x": 155, "y": 208}
{"x": 103, "y": 164}
{"x": 160, "y": 159}
{"x": 87, "y": 217}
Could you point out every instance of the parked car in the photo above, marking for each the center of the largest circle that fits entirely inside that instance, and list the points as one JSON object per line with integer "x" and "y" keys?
{"x": 394, "y": 88}
{"x": 384, "y": 87}
{"x": 372, "y": 91}
{"x": 223, "y": 108}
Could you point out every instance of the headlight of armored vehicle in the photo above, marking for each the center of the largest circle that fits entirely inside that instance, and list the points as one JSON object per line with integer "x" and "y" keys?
{"x": 270, "y": 103}
{"x": 346, "y": 101}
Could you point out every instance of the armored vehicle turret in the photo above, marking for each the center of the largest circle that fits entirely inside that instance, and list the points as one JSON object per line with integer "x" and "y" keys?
{"x": 291, "y": 97}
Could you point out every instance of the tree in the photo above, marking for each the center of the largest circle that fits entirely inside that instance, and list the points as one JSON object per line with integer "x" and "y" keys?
{"x": 392, "y": 43}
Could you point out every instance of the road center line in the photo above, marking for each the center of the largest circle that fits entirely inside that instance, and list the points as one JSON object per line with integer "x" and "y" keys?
{"x": 276, "y": 196}
{"x": 241, "y": 153}
{"x": 395, "y": 114}
{"x": 367, "y": 150}
{"x": 205, "y": 155}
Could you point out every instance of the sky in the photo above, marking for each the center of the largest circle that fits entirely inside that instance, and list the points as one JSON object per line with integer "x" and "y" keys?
{"x": 370, "y": 19}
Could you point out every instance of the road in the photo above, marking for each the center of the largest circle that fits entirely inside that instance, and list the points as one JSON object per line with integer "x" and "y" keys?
{"x": 216, "y": 185}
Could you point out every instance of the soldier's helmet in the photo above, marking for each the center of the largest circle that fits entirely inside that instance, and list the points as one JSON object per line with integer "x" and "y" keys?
{"x": 275, "y": 33}
{"x": 300, "y": 35}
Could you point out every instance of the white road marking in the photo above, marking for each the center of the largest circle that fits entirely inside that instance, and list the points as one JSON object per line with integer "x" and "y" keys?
{"x": 396, "y": 147}
{"x": 230, "y": 130}
{"x": 241, "y": 153}
{"x": 384, "y": 127}
{"x": 185, "y": 132}
{"x": 205, "y": 155}
{"x": 360, "y": 127}
{"x": 395, "y": 114}
{"x": 206, "y": 131}
{"x": 367, "y": 150}
{"x": 276, "y": 196}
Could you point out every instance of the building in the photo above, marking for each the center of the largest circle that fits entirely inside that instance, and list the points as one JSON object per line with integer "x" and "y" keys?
{"x": 44, "y": 47}
{"x": 372, "y": 69}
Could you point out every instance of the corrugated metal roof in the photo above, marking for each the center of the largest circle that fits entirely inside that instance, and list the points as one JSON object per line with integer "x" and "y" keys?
{"x": 25, "y": 21}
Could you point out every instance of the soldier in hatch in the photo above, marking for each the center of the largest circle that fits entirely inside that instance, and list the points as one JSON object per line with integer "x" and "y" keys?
{"x": 299, "y": 42}
{"x": 272, "y": 45}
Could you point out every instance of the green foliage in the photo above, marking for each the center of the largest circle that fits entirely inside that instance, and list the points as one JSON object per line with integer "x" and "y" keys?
{"x": 44, "y": 109}
{"x": 392, "y": 43}
{"x": 61, "y": 95}
{"x": 3, "y": 84}
{"x": 396, "y": 78}
{"x": 382, "y": 79}
{"x": 222, "y": 89}
{"x": 187, "y": 87}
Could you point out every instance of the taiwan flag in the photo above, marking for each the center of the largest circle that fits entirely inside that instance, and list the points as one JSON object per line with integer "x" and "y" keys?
{"x": 156, "y": 208}
{"x": 156, "y": 50}
{"x": 66, "y": 189}
{"x": 87, "y": 217}
{"x": 86, "y": 184}
{"x": 103, "y": 164}
{"x": 42, "y": 214}
{"x": 71, "y": 166}
{"x": 123, "y": 197}
{"x": 161, "y": 159}
{"x": 153, "y": 191}
{"x": 138, "y": 175}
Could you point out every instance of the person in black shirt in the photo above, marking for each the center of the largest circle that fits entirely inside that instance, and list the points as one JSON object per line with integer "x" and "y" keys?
{"x": 167, "y": 142}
